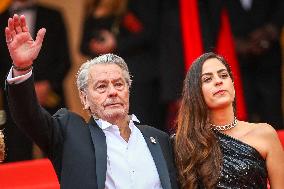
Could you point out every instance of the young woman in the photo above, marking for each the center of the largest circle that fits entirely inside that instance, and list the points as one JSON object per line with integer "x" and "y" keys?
{"x": 213, "y": 148}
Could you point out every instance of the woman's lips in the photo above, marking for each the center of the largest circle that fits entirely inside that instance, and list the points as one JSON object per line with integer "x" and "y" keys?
{"x": 219, "y": 92}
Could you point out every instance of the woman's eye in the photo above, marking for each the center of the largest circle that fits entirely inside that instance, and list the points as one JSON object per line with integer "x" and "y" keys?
{"x": 224, "y": 75}
{"x": 206, "y": 79}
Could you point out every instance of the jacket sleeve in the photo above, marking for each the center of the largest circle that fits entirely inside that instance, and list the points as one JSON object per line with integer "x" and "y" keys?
{"x": 45, "y": 130}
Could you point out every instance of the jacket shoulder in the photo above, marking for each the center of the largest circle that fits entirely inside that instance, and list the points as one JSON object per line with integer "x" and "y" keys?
{"x": 152, "y": 130}
{"x": 64, "y": 115}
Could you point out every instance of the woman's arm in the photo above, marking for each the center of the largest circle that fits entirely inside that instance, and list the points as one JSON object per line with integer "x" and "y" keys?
{"x": 274, "y": 159}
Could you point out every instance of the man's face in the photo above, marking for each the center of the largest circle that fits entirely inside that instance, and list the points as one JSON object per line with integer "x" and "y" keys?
{"x": 107, "y": 94}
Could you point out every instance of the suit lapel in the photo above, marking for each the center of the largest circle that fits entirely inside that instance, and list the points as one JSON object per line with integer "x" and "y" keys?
{"x": 99, "y": 142}
{"x": 158, "y": 157}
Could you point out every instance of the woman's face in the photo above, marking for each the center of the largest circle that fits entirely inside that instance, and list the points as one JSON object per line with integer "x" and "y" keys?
{"x": 217, "y": 85}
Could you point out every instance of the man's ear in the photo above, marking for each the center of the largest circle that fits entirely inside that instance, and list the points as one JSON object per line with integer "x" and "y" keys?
{"x": 84, "y": 100}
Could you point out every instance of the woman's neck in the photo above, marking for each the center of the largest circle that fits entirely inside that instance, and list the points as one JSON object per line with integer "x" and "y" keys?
{"x": 222, "y": 116}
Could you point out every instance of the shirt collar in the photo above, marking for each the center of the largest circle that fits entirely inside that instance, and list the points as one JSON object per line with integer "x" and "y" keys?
{"x": 105, "y": 124}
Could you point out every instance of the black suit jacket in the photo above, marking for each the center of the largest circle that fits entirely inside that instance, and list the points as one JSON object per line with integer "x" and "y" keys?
{"x": 78, "y": 149}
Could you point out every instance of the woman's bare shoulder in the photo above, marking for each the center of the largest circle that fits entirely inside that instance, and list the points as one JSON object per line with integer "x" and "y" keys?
{"x": 264, "y": 133}
{"x": 262, "y": 136}
{"x": 262, "y": 129}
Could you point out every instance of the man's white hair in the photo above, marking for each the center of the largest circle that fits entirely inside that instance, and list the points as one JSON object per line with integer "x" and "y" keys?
{"x": 83, "y": 73}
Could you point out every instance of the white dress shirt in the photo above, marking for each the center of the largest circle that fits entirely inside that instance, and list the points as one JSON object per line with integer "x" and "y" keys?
{"x": 18, "y": 79}
{"x": 130, "y": 165}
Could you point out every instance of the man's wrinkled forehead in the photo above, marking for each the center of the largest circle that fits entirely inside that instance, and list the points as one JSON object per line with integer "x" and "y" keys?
{"x": 106, "y": 72}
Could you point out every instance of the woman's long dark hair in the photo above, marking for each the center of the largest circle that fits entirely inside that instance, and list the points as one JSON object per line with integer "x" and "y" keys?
{"x": 198, "y": 155}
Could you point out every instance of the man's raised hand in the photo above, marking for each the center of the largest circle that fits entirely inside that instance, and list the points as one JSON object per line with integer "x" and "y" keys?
{"x": 23, "y": 49}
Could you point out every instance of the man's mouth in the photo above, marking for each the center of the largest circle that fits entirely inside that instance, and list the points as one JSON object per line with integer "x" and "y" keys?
{"x": 113, "y": 104}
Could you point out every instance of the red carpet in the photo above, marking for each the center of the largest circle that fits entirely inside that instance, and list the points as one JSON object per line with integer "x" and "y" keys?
{"x": 36, "y": 174}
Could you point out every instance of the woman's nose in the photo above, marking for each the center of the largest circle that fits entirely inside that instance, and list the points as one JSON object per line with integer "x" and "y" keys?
{"x": 218, "y": 81}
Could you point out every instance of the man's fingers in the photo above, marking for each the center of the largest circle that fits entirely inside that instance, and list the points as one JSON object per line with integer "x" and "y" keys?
{"x": 11, "y": 27}
{"x": 17, "y": 24}
{"x": 23, "y": 23}
{"x": 11, "y": 24}
{"x": 8, "y": 35}
{"x": 40, "y": 36}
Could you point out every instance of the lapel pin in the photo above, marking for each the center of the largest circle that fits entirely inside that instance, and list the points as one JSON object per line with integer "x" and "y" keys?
{"x": 153, "y": 140}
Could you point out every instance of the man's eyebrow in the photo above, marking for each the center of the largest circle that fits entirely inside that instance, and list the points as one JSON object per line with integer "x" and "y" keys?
{"x": 99, "y": 81}
{"x": 106, "y": 80}
{"x": 119, "y": 79}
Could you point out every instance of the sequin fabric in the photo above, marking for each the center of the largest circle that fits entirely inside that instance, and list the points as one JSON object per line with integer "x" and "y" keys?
{"x": 243, "y": 166}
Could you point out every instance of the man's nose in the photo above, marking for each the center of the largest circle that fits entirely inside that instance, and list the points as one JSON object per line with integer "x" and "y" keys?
{"x": 112, "y": 91}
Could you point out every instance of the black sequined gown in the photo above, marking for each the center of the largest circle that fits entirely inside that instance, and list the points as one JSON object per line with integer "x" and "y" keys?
{"x": 243, "y": 166}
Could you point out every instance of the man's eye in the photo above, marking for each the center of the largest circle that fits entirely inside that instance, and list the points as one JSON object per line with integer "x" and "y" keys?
{"x": 101, "y": 86}
{"x": 119, "y": 85}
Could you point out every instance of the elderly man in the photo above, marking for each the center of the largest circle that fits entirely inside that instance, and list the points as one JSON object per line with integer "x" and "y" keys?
{"x": 108, "y": 152}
